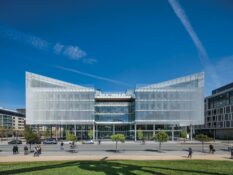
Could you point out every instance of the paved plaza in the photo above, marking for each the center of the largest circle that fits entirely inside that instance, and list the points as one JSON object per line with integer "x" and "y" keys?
{"x": 127, "y": 151}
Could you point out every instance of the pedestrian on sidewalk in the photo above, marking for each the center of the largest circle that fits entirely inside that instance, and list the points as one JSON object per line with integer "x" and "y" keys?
{"x": 190, "y": 153}
{"x": 14, "y": 149}
{"x": 25, "y": 150}
{"x": 212, "y": 150}
{"x": 35, "y": 151}
{"x": 62, "y": 145}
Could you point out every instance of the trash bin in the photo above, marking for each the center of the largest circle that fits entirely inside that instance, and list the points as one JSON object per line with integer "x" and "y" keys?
{"x": 232, "y": 153}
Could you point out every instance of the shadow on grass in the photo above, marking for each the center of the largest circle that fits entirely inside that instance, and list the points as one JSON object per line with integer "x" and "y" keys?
{"x": 107, "y": 167}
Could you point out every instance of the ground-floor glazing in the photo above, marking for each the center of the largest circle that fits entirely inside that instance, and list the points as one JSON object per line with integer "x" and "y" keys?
{"x": 103, "y": 131}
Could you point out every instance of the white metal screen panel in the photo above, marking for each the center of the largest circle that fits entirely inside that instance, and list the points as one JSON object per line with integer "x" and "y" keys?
{"x": 50, "y": 101}
{"x": 179, "y": 101}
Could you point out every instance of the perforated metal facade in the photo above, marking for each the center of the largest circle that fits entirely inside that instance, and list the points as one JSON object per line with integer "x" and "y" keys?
{"x": 49, "y": 101}
{"x": 178, "y": 102}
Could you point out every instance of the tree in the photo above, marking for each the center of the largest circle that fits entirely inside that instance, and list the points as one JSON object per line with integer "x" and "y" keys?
{"x": 203, "y": 138}
{"x": 70, "y": 136}
{"x": 118, "y": 137}
{"x": 46, "y": 134}
{"x": 140, "y": 134}
{"x": 2, "y": 132}
{"x": 90, "y": 134}
{"x": 161, "y": 137}
{"x": 30, "y": 136}
{"x": 183, "y": 134}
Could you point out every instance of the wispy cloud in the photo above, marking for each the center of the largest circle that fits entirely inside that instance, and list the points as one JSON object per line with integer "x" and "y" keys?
{"x": 58, "y": 47}
{"x": 71, "y": 51}
{"x": 23, "y": 38}
{"x": 204, "y": 58}
{"x": 74, "y": 52}
{"x": 90, "y": 61}
{"x": 92, "y": 76}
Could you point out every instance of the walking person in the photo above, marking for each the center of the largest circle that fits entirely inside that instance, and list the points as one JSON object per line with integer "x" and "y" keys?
{"x": 25, "y": 150}
{"x": 35, "y": 151}
{"x": 211, "y": 147}
{"x": 212, "y": 150}
{"x": 39, "y": 150}
{"x": 14, "y": 149}
{"x": 62, "y": 145}
{"x": 190, "y": 151}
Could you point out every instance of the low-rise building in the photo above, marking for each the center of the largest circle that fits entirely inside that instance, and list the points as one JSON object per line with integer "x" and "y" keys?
{"x": 11, "y": 119}
{"x": 219, "y": 113}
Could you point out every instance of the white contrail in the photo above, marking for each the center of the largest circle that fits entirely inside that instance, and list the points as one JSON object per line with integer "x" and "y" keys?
{"x": 204, "y": 58}
{"x": 92, "y": 76}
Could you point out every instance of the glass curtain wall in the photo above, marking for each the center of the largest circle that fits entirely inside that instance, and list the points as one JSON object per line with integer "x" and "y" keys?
{"x": 114, "y": 112}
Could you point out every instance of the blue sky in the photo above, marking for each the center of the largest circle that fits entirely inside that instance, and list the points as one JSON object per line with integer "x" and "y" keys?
{"x": 113, "y": 45}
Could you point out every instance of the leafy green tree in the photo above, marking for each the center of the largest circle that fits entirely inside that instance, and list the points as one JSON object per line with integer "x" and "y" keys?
{"x": 90, "y": 134}
{"x": 203, "y": 138}
{"x": 30, "y": 136}
{"x": 140, "y": 134}
{"x": 70, "y": 136}
{"x": 183, "y": 134}
{"x": 118, "y": 138}
{"x": 161, "y": 137}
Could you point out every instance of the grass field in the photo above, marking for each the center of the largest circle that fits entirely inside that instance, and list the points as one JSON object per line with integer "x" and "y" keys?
{"x": 120, "y": 167}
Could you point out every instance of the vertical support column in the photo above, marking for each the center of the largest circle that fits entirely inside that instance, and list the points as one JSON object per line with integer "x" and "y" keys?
{"x": 173, "y": 133}
{"x": 60, "y": 131}
{"x": 214, "y": 134}
{"x": 66, "y": 129}
{"x": 56, "y": 132}
{"x": 96, "y": 132}
{"x": 135, "y": 132}
{"x": 153, "y": 129}
{"x": 93, "y": 131}
{"x": 113, "y": 129}
{"x": 51, "y": 131}
{"x": 191, "y": 132}
{"x": 75, "y": 130}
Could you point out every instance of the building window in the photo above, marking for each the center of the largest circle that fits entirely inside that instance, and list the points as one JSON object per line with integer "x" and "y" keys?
{"x": 228, "y": 109}
{"x": 228, "y": 124}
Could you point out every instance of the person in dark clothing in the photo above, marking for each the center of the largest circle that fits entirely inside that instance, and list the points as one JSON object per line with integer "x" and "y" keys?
{"x": 212, "y": 150}
{"x": 39, "y": 149}
{"x": 62, "y": 145}
{"x": 14, "y": 149}
{"x": 25, "y": 150}
{"x": 190, "y": 153}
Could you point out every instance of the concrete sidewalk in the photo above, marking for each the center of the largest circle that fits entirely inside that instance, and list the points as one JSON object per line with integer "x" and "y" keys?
{"x": 30, "y": 158}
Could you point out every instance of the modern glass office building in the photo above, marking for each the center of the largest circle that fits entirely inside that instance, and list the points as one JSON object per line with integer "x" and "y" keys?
{"x": 164, "y": 106}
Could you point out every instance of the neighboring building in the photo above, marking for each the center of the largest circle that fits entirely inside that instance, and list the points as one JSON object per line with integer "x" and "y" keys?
{"x": 219, "y": 113}
{"x": 21, "y": 111}
{"x": 165, "y": 106}
{"x": 10, "y": 119}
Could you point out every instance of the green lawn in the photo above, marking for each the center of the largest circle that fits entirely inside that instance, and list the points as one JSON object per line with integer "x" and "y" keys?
{"x": 185, "y": 167}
